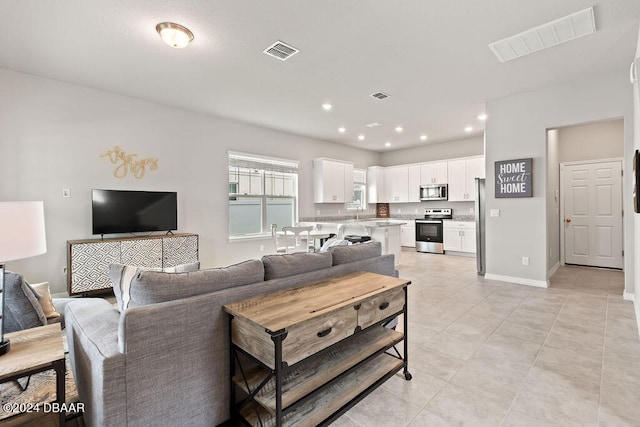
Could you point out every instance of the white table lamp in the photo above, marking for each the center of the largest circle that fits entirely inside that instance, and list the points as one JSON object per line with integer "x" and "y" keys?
{"x": 21, "y": 236}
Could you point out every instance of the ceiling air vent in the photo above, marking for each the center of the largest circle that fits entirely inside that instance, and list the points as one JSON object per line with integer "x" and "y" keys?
{"x": 380, "y": 95}
{"x": 553, "y": 33}
{"x": 281, "y": 50}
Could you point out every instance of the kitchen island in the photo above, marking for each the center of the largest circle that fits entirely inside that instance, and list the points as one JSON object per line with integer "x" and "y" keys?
{"x": 384, "y": 230}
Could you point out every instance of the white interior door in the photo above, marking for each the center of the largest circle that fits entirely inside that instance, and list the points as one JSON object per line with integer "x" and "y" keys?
{"x": 593, "y": 214}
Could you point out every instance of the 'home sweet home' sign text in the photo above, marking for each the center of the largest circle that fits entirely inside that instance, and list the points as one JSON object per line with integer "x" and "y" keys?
{"x": 514, "y": 178}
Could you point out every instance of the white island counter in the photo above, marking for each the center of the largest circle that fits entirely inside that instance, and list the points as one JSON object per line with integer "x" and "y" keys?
{"x": 385, "y": 231}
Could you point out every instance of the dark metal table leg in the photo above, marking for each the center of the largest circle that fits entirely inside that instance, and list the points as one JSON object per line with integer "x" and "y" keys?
{"x": 61, "y": 369}
{"x": 407, "y": 375}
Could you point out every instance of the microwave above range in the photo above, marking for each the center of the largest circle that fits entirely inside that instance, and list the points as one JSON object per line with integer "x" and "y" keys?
{"x": 434, "y": 192}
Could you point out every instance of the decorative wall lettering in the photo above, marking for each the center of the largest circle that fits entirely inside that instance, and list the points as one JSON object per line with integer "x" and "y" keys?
{"x": 514, "y": 178}
{"x": 127, "y": 163}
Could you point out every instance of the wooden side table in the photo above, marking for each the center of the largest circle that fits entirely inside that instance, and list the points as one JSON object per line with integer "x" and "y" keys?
{"x": 36, "y": 350}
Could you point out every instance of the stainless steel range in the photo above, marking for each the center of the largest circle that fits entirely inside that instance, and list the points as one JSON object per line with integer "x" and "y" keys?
{"x": 429, "y": 234}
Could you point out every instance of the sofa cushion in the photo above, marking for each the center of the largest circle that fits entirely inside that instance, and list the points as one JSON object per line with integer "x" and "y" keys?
{"x": 122, "y": 275}
{"x": 357, "y": 252}
{"x": 277, "y": 266}
{"x": 22, "y": 309}
{"x": 151, "y": 287}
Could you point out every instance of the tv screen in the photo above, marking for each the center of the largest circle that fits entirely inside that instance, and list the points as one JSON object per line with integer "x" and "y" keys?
{"x": 119, "y": 211}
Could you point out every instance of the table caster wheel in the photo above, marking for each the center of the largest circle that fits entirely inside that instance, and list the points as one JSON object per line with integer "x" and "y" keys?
{"x": 407, "y": 376}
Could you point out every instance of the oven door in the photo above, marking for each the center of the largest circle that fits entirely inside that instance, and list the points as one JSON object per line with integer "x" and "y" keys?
{"x": 429, "y": 236}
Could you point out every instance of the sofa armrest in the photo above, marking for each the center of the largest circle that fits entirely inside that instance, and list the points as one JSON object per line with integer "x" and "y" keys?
{"x": 175, "y": 345}
{"x": 98, "y": 365}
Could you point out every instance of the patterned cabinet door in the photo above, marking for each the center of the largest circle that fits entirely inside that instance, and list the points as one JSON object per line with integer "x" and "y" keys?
{"x": 178, "y": 250}
{"x": 142, "y": 253}
{"x": 90, "y": 265}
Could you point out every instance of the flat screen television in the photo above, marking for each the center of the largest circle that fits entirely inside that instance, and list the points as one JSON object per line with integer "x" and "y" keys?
{"x": 121, "y": 211}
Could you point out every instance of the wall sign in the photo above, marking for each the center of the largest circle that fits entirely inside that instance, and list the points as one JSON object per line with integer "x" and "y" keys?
{"x": 514, "y": 178}
{"x": 127, "y": 163}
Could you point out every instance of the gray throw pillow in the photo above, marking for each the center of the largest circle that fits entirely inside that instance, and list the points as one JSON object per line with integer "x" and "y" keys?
{"x": 22, "y": 310}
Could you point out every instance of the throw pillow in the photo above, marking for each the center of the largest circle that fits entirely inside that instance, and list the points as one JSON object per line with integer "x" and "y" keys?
{"x": 45, "y": 300}
{"x": 122, "y": 275}
{"x": 22, "y": 310}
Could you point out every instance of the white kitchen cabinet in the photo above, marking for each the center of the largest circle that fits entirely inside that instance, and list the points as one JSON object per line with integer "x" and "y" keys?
{"x": 396, "y": 184}
{"x": 333, "y": 181}
{"x": 433, "y": 173}
{"x": 459, "y": 236}
{"x": 461, "y": 176}
{"x": 414, "y": 183}
{"x": 375, "y": 184}
{"x": 408, "y": 235}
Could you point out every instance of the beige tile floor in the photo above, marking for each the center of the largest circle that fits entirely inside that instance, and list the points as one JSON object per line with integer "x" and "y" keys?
{"x": 487, "y": 353}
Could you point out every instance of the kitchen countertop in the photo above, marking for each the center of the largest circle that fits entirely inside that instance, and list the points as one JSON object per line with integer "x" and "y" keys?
{"x": 367, "y": 222}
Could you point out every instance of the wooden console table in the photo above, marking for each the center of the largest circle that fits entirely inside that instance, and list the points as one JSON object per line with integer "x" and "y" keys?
{"x": 36, "y": 350}
{"x": 319, "y": 348}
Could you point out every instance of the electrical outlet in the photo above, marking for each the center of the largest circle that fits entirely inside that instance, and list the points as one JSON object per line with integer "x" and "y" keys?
{"x": 261, "y": 248}
{"x": 66, "y": 192}
{"x": 525, "y": 260}
{"x": 64, "y": 270}
{"x": 495, "y": 213}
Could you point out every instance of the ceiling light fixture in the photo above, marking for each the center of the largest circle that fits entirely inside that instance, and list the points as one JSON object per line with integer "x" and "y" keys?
{"x": 468, "y": 129}
{"x": 399, "y": 129}
{"x": 423, "y": 137}
{"x": 361, "y": 137}
{"x": 387, "y": 144}
{"x": 326, "y": 106}
{"x": 342, "y": 130}
{"x": 373, "y": 125}
{"x": 174, "y": 35}
{"x": 482, "y": 117}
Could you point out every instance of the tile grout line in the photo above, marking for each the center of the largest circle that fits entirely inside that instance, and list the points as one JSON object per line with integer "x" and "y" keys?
{"x": 604, "y": 345}
{"x": 524, "y": 381}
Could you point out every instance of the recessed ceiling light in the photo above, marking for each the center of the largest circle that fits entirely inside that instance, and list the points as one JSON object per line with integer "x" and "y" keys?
{"x": 342, "y": 130}
{"x": 399, "y": 129}
{"x": 373, "y": 125}
{"x": 468, "y": 129}
{"x": 361, "y": 137}
{"x": 326, "y": 106}
{"x": 174, "y": 35}
{"x": 482, "y": 117}
{"x": 387, "y": 144}
{"x": 423, "y": 137}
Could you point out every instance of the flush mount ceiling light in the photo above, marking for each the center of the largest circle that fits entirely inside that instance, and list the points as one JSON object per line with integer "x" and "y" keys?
{"x": 373, "y": 125}
{"x": 387, "y": 144}
{"x": 342, "y": 130}
{"x": 423, "y": 137}
{"x": 399, "y": 129}
{"x": 174, "y": 35}
{"x": 468, "y": 129}
{"x": 553, "y": 33}
{"x": 482, "y": 117}
{"x": 326, "y": 106}
{"x": 361, "y": 137}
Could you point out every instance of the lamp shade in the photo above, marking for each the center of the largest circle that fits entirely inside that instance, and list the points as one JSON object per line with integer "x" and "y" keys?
{"x": 22, "y": 232}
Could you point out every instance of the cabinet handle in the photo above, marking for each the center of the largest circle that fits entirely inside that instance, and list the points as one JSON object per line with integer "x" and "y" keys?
{"x": 383, "y": 305}
{"x": 324, "y": 333}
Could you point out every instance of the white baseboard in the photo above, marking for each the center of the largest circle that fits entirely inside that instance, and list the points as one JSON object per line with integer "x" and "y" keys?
{"x": 518, "y": 280}
{"x": 553, "y": 270}
{"x": 628, "y": 296}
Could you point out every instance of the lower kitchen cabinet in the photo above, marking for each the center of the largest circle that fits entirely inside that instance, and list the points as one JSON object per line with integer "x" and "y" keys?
{"x": 408, "y": 235}
{"x": 459, "y": 236}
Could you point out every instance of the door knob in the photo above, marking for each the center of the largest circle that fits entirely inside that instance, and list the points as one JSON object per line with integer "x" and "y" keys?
{"x": 568, "y": 220}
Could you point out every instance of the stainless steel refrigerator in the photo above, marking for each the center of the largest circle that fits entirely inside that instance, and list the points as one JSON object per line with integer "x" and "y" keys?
{"x": 480, "y": 227}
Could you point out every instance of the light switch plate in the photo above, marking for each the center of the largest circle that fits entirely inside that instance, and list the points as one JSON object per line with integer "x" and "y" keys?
{"x": 495, "y": 213}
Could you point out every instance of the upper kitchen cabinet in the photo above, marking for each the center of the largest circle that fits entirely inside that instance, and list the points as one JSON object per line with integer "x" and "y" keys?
{"x": 461, "y": 175}
{"x": 414, "y": 183}
{"x": 375, "y": 184}
{"x": 433, "y": 173}
{"x": 333, "y": 181}
{"x": 396, "y": 184}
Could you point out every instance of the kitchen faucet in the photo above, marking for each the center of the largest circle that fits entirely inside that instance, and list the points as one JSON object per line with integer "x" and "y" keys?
{"x": 357, "y": 216}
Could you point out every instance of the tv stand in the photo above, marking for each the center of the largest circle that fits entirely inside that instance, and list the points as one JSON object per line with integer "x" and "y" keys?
{"x": 88, "y": 260}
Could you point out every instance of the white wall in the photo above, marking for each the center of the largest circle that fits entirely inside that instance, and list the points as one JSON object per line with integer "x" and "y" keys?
{"x": 473, "y": 146}
{"x": 553, "y": 203}
{"x": 591, "y": 141}
{"x": 517, "y": 128}
{"x": 52, "y": 135}
{"x": 636, "y": 146}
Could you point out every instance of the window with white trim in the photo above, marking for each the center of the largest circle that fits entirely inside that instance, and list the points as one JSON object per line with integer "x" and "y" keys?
{"x": 359, "y": 190}
{"x": 262, "y": 191}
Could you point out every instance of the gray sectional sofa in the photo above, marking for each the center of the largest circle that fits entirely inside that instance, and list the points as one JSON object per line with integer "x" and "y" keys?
{"x": 165, "y": 359}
